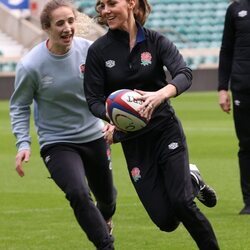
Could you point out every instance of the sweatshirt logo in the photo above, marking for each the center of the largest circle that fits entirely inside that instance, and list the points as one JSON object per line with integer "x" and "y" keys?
{"x": 242, "y": 13}
{"x": 110, "y": 63}
{"x": 146, "y": 58}
{"x": 47, "y": 80}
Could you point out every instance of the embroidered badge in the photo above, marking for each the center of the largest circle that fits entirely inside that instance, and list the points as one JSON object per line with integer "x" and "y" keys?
{"x": 242, "y": 13}
{"x": 146, "y": 58}
{"x": 136, "y": 174}
{"x": 110, "y": 63}
{"x": 82, "y": 70}
{"x": 237, "y": 102}
{"x": 47, "y": 80}
{"x": 108, "y": 152}
{"x": 173, "y": 145}
{"x": 47, "y": 159}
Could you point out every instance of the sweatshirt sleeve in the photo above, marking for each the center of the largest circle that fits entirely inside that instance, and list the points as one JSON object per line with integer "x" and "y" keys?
{"x": 226, "y": 51}
{"x": 94, "y": 84}
{"x": 175, "y": 64}
{"x": 20, "y": 102}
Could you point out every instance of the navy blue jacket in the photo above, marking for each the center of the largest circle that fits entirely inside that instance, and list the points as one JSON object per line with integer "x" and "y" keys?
{"x": 234, "y": 65}
{"x": 110, "y": 65}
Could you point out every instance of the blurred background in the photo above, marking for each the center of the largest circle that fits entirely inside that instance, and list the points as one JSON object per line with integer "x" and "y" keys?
{"x": 195, "y": 26}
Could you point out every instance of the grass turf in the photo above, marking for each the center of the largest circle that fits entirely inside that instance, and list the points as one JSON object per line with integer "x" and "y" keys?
{"x": 35, "y": 215}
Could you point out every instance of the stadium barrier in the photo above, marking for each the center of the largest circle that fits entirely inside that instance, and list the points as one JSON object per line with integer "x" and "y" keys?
{"x": 20, "y": 29}
{"x": 203, "y": 80}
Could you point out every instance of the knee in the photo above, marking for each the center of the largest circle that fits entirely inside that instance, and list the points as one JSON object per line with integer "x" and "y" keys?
{"x": 169, "y": 227}
{"x": 107, "y": 204}
{"x": 167, "y": 222}
{"x": 107, "y": 210}
{"x": 78, "y": 196}
{"x": 107, "y": 199}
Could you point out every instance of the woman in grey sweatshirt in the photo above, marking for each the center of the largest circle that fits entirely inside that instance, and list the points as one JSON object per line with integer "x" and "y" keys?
{"x": 71, "y": 138}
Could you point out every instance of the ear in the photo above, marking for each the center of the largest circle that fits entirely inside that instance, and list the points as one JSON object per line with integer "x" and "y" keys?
{"x": 47, "y": 30}
{"x": 132, "y": 4}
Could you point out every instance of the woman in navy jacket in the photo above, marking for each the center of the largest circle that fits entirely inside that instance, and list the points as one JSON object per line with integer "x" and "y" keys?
{"x": 133, "y": 57}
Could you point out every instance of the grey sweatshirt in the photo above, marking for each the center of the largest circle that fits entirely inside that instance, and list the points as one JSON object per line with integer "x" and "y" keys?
{"x": 55, "y": 85}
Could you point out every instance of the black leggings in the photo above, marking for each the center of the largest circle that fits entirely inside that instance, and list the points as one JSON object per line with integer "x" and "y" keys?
{"x": 78, "y": 170}
{"x": 158, "y": 165}
{"x": 241, "y": 113}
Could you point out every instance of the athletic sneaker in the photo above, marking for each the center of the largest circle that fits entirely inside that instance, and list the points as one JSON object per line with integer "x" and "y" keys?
{"x": 206, "y": 194}
{"x": 245, "y": 210}
{"x": 110, "y": 226}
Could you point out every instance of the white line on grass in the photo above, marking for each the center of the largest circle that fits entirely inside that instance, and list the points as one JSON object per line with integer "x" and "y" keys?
{"x": 32, "y": 210}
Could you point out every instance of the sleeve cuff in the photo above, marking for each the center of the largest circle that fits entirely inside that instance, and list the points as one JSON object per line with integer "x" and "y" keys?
{"x": 23, "y": 146}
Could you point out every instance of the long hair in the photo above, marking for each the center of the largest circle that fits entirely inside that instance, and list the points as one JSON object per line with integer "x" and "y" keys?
{"x": 141, "y": 12}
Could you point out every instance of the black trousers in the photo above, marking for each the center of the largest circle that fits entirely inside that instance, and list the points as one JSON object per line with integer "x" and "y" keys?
{"x": 158, "y": 165}
{"x": 78, "y": 170}
{"x": 241, "y": 114}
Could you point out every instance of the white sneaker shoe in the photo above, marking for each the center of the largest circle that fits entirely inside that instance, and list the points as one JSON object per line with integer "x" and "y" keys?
{"x": 206, "y": 195}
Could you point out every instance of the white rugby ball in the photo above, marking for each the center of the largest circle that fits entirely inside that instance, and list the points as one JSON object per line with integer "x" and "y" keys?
{"x": 121, "y": 107}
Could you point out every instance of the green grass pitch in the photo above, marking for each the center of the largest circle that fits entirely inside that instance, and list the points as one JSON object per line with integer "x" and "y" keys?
{"x": 34, "y": 215}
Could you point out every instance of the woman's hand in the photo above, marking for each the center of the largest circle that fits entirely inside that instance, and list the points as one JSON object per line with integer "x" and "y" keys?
{"x": 22, "y": 156}
{"x": 108, "y": 131}
{"x": 151, "y": 100}
{"x": 225, "y": 101}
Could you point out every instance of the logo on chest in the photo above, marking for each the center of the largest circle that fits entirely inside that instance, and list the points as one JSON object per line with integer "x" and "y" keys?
{"x": 242, "y": 13}
{"x": 47, "y": 80}
{"x": 146, "y": 58}
{"x": 110, "y": 64}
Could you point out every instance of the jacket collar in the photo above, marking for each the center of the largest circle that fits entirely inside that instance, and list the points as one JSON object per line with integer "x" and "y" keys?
{"x": 123, "y": 36}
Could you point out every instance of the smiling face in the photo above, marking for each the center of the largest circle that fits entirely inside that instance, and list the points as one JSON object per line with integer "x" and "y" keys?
{"x": 118, "y": 14}
{"x": 61, "y": 30}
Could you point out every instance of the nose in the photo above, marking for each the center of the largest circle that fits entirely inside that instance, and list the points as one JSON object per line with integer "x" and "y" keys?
{"x": 106, "y": 10}
{"x": 67, "y": 26}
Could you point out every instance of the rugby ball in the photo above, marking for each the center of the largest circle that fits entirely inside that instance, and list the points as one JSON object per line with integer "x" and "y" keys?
{"x": 121, "y": 107}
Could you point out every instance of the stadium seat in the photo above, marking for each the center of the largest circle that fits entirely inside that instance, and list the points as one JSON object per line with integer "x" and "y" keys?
{"x": 190, "y": 24}
{"x": 10, "y": 52}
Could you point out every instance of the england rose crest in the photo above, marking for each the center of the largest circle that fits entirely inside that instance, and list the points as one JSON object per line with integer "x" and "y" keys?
{"x": 136, "y": 174}
{"x": 146, "y": 58}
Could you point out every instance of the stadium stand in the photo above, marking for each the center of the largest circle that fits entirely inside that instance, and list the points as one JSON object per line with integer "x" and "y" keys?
{"x": 86, "y": 6}
{"x": 17, "y": 36}
{"x": 195, "y": 26}
{"x": 10, "y": 52}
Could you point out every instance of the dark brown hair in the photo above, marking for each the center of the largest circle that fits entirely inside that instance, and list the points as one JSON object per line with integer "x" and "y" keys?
{"x": 45, "y": 17}
{"x": 141, "y": 11}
